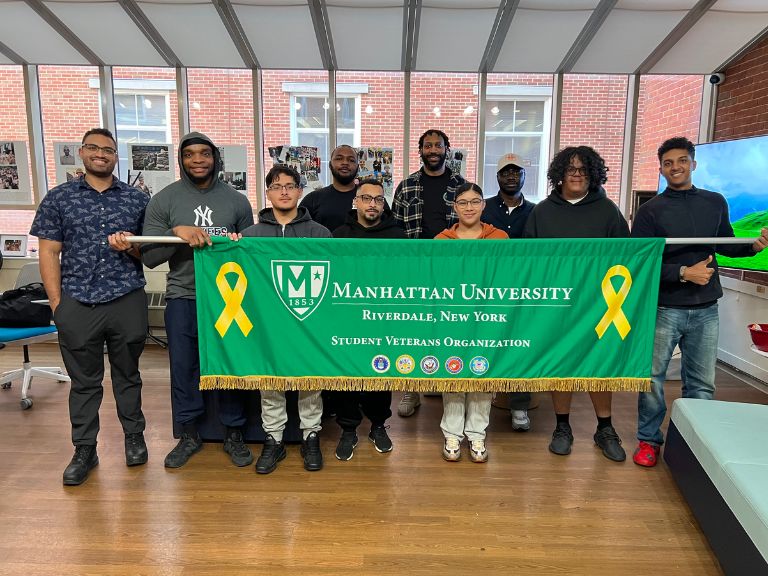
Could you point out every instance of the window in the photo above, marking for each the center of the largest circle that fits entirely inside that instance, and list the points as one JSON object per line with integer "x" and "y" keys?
{"x": 142, "y": 118}
{"x": 521, "y": 126}
{"x": 309, "y": 125}
{"x": 143, "y": 110}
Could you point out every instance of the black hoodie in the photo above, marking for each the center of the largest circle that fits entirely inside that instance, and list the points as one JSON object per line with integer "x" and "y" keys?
{"x": 594, "y": 216}
{"x": 386, "y": 228}
{"x": 302, "y": 226}
{"x": 692, "y": 213}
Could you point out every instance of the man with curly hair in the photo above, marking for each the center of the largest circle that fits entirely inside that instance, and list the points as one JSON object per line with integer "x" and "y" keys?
{"x": 578, "y": 207}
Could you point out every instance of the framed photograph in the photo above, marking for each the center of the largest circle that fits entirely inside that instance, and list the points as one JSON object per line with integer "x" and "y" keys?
{"x": 13, "y": 245}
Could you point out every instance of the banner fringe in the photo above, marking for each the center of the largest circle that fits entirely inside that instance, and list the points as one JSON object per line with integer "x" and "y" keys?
{"x": 426, "y": 384}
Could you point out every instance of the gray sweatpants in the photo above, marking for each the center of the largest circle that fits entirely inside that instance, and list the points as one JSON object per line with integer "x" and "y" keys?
{"x": 466, "y": 414}
{"x": 274, "y": 414}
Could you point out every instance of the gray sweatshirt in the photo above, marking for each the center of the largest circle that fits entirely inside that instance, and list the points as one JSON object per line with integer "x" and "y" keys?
{"x": 218, "y": 209}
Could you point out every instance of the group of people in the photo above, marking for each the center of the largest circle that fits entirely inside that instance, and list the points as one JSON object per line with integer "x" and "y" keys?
{"x": 93, "y": 276}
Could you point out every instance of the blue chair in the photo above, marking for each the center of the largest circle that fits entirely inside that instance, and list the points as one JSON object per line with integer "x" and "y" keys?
{"x": 24, "y": 337}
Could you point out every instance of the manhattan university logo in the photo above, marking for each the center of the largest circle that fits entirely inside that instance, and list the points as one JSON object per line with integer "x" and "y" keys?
{"x": 300, "y": 284}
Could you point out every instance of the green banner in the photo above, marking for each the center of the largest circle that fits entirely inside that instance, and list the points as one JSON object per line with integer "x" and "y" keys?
{"x": 419, "y": 315}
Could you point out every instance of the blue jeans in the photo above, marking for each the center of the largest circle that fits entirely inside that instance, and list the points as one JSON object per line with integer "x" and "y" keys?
{"x": 695, "y": 330}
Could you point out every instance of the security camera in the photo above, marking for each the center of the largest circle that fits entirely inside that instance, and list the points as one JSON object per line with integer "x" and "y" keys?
{"x": 717, "y": 79}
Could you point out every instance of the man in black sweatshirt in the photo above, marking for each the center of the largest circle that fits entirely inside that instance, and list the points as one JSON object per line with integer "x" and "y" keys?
{"x": 371, "y": 218}
{"x": 690, "y": 287}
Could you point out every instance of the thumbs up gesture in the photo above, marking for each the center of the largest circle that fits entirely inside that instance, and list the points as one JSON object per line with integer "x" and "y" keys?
{"x": 699, "y": 273}
{"x": 762, "y": 241}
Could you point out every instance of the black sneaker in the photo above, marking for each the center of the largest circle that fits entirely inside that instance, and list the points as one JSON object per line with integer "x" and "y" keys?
{"x": 310, "y": 450}
{"x": 135, "y": 449}
{"x": 271, "y": 453}
{"x": 84, "y": 460}
{"x": 562, "y": 439}
{"x": 347, "y": 443}
{"x": 183, "y": 451}
{"x": 380, "y": 439}
{"x": 237, "y": 449}
{"x": 609, "y": 442}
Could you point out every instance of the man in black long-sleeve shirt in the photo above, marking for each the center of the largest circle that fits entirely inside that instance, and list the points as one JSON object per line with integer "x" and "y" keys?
{"x": 690, "y": 287}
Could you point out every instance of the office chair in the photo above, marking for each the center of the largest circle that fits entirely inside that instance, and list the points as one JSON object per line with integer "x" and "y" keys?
{"x": 24, "y": 337}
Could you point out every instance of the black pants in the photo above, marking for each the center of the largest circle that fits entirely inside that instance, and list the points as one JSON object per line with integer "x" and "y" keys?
{"x": 519, "y": 400}
{"x": 375, "y": 406}
{"x": 83, "y": 330}
{"x": 187, "y": 400}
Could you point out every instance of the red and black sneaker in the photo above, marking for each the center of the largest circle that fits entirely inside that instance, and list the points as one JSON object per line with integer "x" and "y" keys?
{"x": 646, "y": 455}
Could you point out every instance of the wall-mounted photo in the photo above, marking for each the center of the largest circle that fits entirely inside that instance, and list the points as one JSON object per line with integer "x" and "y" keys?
{"x": 9, "y": 178}
{"x": 13, "y": 245}
{"x": 7, "y": 154}
{"x": 149, "y": 158}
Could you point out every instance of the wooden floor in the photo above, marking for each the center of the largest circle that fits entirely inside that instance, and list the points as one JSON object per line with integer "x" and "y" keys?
{"x": 408, "y": 512}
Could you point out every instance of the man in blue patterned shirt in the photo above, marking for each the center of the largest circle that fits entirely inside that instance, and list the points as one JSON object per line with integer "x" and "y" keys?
{"x": 96, "y": 292}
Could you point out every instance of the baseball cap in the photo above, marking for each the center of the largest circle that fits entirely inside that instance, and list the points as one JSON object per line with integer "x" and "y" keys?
{"x": 508, "y": 159}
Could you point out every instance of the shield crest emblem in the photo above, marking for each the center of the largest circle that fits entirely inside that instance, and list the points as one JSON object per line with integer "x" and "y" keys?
{"x": 300, "y": 284}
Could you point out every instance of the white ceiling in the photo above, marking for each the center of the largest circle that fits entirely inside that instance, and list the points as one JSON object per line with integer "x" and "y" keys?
{"x": 537, "y": 36}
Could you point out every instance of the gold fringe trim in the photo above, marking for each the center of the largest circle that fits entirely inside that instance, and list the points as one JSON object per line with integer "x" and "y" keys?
{"x": 348, "y": 384}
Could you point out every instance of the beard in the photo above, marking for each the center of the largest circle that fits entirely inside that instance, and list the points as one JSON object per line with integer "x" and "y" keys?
{"x": 340, "y": 178}
{"x": 199, "y": 180}
{"x": 440, "y": 163}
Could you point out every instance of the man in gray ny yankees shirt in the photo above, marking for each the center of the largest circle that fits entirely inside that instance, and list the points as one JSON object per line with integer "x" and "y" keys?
{"x": 194, "y": 208}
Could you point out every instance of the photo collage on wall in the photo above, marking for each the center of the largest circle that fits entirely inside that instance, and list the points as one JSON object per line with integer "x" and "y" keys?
{"x": 150, "y": 167}
{"x": 304, "y": 159}
{"x": 456, "y": 161}
{"x": 9, "y": 169}
{"x": 234, "y": 167}
{"x": 69, "y": 167}
{"x": 376, "y": 162}
{"x": 15, "y": 188}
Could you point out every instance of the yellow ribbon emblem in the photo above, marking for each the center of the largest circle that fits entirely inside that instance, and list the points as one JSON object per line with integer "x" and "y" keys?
{"x": 233, "y": 299}
{"x": 614, "y": 299}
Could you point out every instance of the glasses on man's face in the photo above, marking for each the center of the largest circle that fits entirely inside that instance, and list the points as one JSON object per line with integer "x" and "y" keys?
{"x": 475, "y": 202}
{"x": 106, "y": 150}
{"x": 367, "y": 199}
{"x": 573, "y": 170}
{"x": 511, "y": 173}
{"x": 286, "y": 187}
{"x": 431, "y": 145}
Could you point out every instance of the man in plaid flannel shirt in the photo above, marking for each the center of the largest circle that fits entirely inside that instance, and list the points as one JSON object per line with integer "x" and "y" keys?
{"x": 423, "y": 206}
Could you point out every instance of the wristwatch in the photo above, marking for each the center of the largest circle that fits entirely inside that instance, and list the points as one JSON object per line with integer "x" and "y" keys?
{"x": 681, "y": 276}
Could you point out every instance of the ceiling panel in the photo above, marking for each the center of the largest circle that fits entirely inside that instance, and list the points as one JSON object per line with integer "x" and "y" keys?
{"x": 625, "y": 40}
{"x": 713, "y": 40}
{"x": 453, "y": 40}
{"x": 195, "y": 33}
{"x": 24, "y": 32}
{"x": 281, "y": 37}
{"x": 130, "y": 47}
{"x": 538, "y": 40}
{"x": 4, "y": 60}
{"x": 367, "y": 47}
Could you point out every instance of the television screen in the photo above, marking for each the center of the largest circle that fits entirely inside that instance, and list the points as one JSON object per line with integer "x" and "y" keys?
{"x": 737, "y": 169}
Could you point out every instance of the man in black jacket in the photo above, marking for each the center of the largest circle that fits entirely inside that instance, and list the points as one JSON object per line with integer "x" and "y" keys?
{"x": 371, "y": 218}
{"x": 690, "y": 287}
{"x": 508, "y": 211}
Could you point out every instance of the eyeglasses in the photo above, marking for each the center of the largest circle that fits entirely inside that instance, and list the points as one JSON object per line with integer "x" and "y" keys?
{"x": 367, "y": 199}
{"x": 475, "y": 202}
{"x": 106, "y": 150}
{"x": 286, "y": 187}
{"x": 430, "y": 145}
{"x": 511, "y": 173}
{"x": 573, "y": 170}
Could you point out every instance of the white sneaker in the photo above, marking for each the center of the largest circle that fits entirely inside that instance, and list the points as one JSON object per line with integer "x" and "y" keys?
{"x": 452, "y": 450}
{"x": 520, "y": 420}
{"x": 408, "y": 404}
{"x": 477, "y": 451}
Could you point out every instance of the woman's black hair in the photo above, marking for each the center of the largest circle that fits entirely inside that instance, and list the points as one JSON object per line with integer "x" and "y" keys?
{"x": 466, "y": 187}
